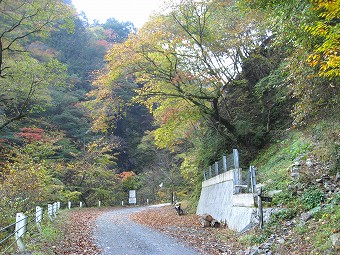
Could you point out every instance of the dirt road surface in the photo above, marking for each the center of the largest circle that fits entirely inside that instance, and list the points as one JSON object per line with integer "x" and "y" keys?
{"x": 116, "y": 234}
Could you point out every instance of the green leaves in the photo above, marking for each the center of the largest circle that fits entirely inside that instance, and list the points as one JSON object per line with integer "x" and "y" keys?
{"x": 23, "y": 19}
{"x": 23, "y": 79}
{"x": 27, "y": 87}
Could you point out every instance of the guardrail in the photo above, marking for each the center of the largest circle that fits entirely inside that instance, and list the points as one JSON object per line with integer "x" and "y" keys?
{"x": 22, "y": 221}
{"x": 21, "y": 224}
{"x": 228, "y": 162}
{"x": 243, "y": 180}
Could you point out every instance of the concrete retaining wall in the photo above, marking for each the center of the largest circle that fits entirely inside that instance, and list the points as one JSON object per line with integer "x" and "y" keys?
{"x": 218, "y": 199}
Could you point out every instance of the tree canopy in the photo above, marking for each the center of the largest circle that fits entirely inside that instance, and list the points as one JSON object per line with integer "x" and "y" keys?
{"x": 89, "y": 111}
{"x": 22, "y": 77}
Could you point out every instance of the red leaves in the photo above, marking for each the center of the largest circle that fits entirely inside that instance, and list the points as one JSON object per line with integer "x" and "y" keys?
{"x": 31, "y": 134}
{"x": 126, "y": 175}
{"x": 104, "y": 43}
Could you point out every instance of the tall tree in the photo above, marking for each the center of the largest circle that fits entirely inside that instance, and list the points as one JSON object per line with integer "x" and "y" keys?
{"x": 309, "y": 31}
{"x": 23, "y": 79}
{"x": 21, "y": 19}
{"x": 116, "y": 31}
{"x": 27, "y": 89}
{"x": 190, "y": 55}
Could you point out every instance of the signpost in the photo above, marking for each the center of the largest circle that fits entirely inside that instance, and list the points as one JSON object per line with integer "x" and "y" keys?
{"x": 260, "y": 198}
{"x": 132, "y": 197}
{"x": 266, "y": 199}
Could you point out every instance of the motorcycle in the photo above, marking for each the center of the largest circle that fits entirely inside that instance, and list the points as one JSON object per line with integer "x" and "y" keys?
{"x": 178, "y": 208}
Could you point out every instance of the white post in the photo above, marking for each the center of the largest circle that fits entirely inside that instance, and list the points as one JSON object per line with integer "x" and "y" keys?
{"x": 50, "y": 211}
{"x": 38, "y": 216}
{"x": 69, "y": 204}
{"x": 20, "y": 229}
{"x": 216, "y": 168}
{"x": 259, "y": 206}
{"x": 252, "y": 179}
{"x": 55, "y": 209}
{"x": 236, "y": 159}
{"x": 236, "y": 181}
{"x": 210, "y": 172}
{"x": 80, "y": 204}
{"x": 147, "y": 201}
{"x": 99, "y": 202}
{"x": 225, "y": 163}
{"x": 122, "y": 203}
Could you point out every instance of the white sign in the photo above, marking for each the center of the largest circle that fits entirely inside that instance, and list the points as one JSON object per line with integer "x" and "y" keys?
{"x": 132, "y": 197}
{"x": 132, "y": 193}
{"x": 132, "y": 200}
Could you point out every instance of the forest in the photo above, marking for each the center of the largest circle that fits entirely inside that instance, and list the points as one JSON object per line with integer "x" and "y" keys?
{"x": 90, "y": 110}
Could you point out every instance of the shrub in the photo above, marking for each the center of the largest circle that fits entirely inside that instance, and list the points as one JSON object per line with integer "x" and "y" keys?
{"x": 285, "y": 214}
{"x": 311, "y": 197}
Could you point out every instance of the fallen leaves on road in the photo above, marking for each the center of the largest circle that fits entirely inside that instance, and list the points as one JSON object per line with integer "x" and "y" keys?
{"x": 78, "y": 233}
{"x": 186, "y": 228}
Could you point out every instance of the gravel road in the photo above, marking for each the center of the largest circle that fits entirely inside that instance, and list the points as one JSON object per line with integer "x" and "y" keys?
{"x": 116, "y": 234}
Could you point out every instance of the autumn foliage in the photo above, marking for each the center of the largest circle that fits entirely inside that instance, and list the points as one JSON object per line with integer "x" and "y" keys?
{"x": 126, "y": 175}
{"x": 31, "y": 134}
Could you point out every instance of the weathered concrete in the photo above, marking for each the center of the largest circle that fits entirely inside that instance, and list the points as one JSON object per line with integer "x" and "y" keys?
{"x": 243, "y": 200}
{"x": 227, "y": 176}
{"x": 218, "y": 199}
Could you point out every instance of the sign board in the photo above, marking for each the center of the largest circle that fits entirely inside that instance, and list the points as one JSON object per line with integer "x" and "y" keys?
{"x": 266, "y": 199}
{"x": 132, "y": 200}
{"x": 132, "y": 197}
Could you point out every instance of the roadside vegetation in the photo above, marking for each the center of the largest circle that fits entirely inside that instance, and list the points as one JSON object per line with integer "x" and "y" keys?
{"x": 89, "y": 111}
{"x": 71, "y": 232}
{"x": 307, "y": 208}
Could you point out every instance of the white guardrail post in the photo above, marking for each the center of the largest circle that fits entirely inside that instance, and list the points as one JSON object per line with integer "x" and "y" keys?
{"x": 20, "y": 229}
{"x": 55, "y": 209}
{"x": 21, "y": 223}
{"x": 38, "y": 217}
{"x": 236, "y": 159}
{"x": 216, "y": 168}
{"x": 50, "y": 211}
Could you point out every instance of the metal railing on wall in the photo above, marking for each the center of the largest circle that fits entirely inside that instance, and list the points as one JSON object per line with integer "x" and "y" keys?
{"x": 228, "y": 162}
{"x": 244, "y": 181}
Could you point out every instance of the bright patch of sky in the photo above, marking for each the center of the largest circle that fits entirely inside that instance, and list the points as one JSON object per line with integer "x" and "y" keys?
{"x": 136, "y": 11}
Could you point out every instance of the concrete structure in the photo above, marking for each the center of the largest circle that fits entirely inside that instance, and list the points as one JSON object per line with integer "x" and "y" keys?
{"x": 218, "y": 199}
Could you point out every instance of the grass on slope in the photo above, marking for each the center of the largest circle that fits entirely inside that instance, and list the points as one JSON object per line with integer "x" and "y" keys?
{"x": 316, "y": 191}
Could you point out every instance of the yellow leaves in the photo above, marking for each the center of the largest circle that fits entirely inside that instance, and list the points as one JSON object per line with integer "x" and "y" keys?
{"x": 177, "y": 121}
{"x": 327, "y": 61}
{"x": 320, "y": 29}
{"x": 330, "y": 9}
{"x": 313, "y": 59}
{"x": 25, "y": 180}
{"x": 100, "y": 123}
{"x": 326, "y": 56}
